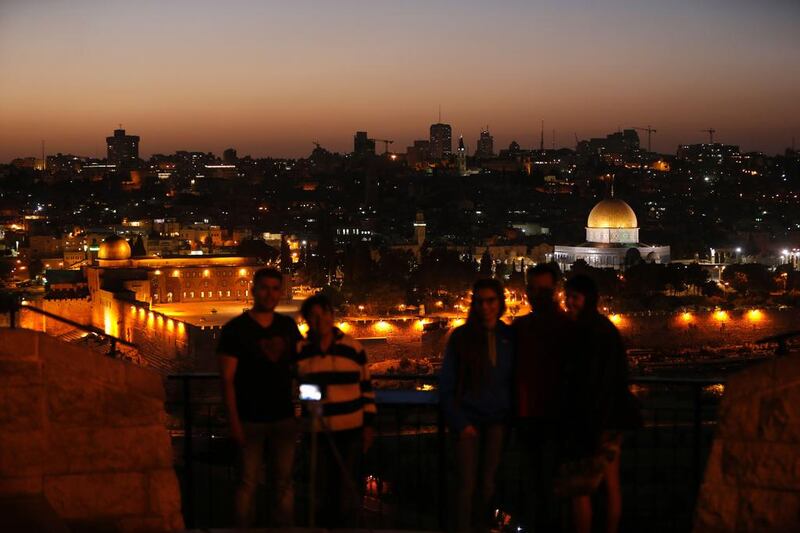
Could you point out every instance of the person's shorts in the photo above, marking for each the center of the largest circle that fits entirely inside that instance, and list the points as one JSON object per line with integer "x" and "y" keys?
{"x": 582, "y": 476}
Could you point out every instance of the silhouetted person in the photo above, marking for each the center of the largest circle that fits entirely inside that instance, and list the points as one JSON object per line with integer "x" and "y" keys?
{"x": 597, "y": 406}
{"x": 543, "y": 338}
{"x": 475, "y": 391}
{"x": 337, "y": 363}
{"x": 256, "y": 355}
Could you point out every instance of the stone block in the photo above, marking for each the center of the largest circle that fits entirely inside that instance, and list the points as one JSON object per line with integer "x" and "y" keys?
{"x": 150, "y": 524}
{"x": 19, "y": 344}
{"x": 753, "y": 380}
{"x": 13, "y": 486}
{"x": 64, "y": 359}
{"x": 82, "y": 450}
{"x": 738, "y": 418}
{"x": 716, "y": 509}
{"x": 768, "y": 511}
{"x": 75, "y": 402}
{"x": 787, "y": 369}
{"x": 761, "y": 464}
{"x": 21, "y": 453}
{"x": 20, "y": 372}
{"x": 27, "y": 513}
{"x": 713, "y": 474}
{"x": 779, "y": 415}
{"x": 144, "y": 381}
{"x": 164, "y": 492}
{"x": 123, "y": 409}
{"x": 97, "y": 495}
{"x": 21, "y": 408}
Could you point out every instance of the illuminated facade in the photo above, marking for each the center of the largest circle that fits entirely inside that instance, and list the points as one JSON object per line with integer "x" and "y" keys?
{"x": 156, "y": 280}
{"x": 612, "y": 239}
{"x": 441, "y": 141}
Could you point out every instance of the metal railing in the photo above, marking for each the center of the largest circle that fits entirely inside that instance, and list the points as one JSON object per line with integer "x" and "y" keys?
{"x": 408, "y": 474}
{"x": 15, "y": 310}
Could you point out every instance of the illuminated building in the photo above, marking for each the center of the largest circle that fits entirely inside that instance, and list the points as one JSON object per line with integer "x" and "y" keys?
{"x": 123, "y": 150}
{"x": 441, "y": 141}
{"x": 612, "y": 240}
{"x": 461, "y": 157}
{"x": 709, "y": 154}
{"x": 156, "y": 280}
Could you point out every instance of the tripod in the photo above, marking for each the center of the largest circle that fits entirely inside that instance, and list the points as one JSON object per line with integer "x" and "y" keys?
{"x": 318, "y": 421}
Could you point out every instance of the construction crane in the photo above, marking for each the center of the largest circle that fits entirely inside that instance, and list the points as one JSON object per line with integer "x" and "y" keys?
{"x": 649, "y": 129}
{"x": 711, "y": 132}
{"x": 386, "y": 143}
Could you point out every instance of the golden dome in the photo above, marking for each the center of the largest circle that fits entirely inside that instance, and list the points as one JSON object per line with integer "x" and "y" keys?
{"x": 612, "y": 213}
{"x": 114, "y": 247}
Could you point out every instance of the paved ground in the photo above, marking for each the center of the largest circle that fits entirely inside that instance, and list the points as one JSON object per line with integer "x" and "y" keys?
{"x": 214, "y": 313}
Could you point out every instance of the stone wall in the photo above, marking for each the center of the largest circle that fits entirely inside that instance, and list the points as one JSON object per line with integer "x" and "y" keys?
{"x": 671, "y": 332}
{"x": 87, "y": 432}
{"x": 752, "y": 480}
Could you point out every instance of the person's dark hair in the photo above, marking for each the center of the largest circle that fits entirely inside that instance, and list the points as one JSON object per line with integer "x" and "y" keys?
{"x": 471, "y": 342}
{"x": 586, "y": 286}
{"x": 267, "y": 272}
{"x": 486, "y": 283}
{"x": 313, "y": 301}
{"x": 543, "y": 269}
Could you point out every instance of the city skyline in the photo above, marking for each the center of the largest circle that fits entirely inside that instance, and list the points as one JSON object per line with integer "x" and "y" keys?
{"x": 269, "y": 79}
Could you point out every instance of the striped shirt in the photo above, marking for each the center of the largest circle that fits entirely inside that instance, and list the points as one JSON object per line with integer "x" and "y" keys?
{"x": 348, "y": 401}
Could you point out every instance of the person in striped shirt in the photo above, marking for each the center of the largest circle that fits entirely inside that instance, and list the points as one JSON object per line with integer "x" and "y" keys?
{"x": 337, "y": 363}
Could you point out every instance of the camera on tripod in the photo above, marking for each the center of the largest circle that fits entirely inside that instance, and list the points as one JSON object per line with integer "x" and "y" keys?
{"x": 310, "y": 392}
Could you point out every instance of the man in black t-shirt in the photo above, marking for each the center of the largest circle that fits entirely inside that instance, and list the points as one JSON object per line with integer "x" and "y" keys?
{"x": 256, "y": 353}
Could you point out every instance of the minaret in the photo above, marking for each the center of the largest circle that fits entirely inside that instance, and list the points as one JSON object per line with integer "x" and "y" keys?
{"x": 461, "y": 157}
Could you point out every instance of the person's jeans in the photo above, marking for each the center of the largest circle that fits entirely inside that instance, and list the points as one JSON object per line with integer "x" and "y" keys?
{"x": 339, "y": 486}
{"x": 539, "y": 439}
{"x": 478, "y": 459}
{"x": 273, "y": 443}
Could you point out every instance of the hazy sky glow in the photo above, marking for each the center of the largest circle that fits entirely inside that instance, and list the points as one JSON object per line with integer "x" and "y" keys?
{"x": 269, "y": 77}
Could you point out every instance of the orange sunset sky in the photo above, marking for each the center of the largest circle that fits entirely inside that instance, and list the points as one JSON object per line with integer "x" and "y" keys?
{"x": 269, "y": 77}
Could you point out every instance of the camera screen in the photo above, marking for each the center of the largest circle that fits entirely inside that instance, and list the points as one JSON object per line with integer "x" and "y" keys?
{"x": 310, "y": 392}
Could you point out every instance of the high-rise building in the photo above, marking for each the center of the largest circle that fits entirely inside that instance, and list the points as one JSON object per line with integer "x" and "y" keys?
{"x": 461, "y": 157}
{"x": 123, "y": 150}
{"x": 362, "y": 144}
{"x": 419, "y": 153}
{"x": 441, "y": 141}
{"x": 485, "y": 144}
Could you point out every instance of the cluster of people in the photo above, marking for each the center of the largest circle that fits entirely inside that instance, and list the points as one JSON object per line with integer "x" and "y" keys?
{"x": 262, "y": 359}
{"x": 560, "y": 378}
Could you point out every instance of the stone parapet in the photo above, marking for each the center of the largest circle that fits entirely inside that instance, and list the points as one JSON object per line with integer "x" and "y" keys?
{"x": 752, "y": 480}
{"x": 87, "y": 433}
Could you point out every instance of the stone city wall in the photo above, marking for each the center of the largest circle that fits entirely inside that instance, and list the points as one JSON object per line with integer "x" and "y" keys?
{"x": 752, "y": 479}
{"x": 87, "y": 433}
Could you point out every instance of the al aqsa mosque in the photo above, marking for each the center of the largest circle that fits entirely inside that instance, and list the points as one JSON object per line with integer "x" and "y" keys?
{"x": 612, "y": 236}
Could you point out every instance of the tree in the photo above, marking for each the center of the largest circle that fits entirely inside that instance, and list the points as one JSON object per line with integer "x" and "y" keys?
{"x": 137, "y": 248}
{"x": 485, "y": 269}
{"x": 257, "y": 248}
{"x": 632, "y": 257}
{"x": 696, "y": 276}
{"x": 749, "y": 278}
